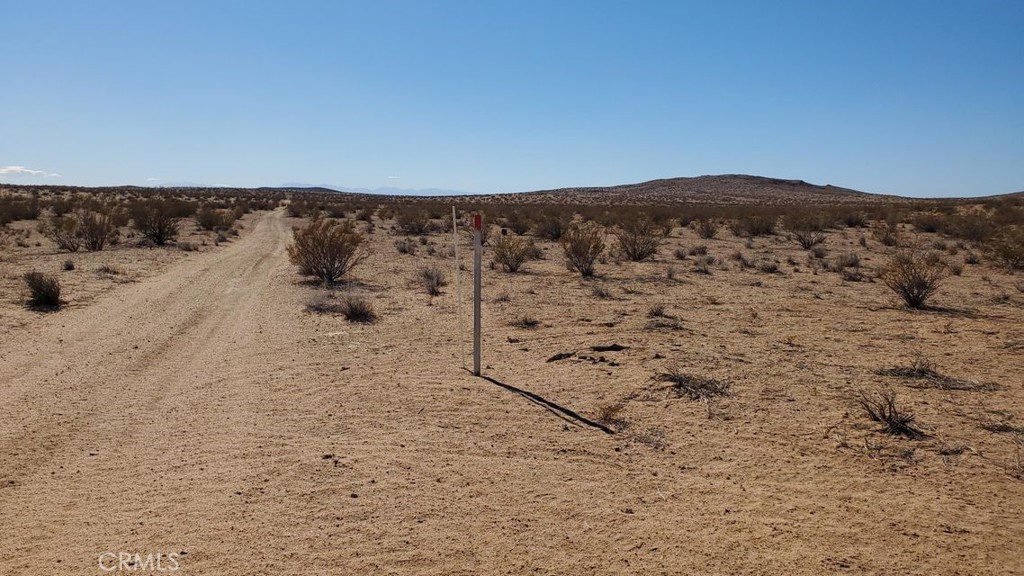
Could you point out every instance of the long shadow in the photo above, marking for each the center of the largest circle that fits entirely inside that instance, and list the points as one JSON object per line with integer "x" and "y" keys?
{"x": 560, "y": 411}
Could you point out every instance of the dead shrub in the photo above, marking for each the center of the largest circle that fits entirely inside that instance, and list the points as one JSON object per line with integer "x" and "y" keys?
{"x": 326, "y": 249}
{"x": 700, "y": 388}
{"x": 212, "y": 219}
{"x": 922, "y": 370}
{"x": 510, "y": 252}
{"x": 583, "y": 244}
{"x": 62, "y": 231}
{"x": 754, "y": 225}
{"x": 658, "y": 311}
{"x": 808, "y": 230}
{"x": 882, "y": 408}
{"x": 846, "y": 260}
{"x": 43, "y": 289}
{"x": 975, "y": 227}
{"x": 913, "y": 276}
{"x": 322, "y": 303}
{"x": 413, "y": 221}
{"x": 609, "y": 415}
{"x": 552, "y": 224}
{"x": 1007, "y": 249}
{"x": 703, "y": 264}
{"x": 639, "y": 240}
{"x": 887, "y": 233}
{"x": 356, "y": 309}
{"x": 405, "y": 246}
{"x": 95, "y": 230}
{"x": 706, "y": 228}
{"x": 526, "y": 321}
{"x": 433, "y": 279}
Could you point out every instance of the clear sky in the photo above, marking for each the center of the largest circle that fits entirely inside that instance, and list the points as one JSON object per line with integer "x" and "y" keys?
{"x": 920, "y": 98}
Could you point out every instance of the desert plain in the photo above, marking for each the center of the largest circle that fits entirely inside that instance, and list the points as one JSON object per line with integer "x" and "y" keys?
{"x": 204, "y": 400}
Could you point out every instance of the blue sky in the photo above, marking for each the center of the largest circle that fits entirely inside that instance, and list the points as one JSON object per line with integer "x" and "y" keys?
{"x": 920, "y": 98}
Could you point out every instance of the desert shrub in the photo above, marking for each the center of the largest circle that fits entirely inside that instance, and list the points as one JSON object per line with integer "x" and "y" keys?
{"x": 518, "y": 222}
{"x": 639, "y": 239}
{"x": 356, "y": 309}
{"x": 609, "y": 415}
{"x": 13, "y": 208}
{"x": 853, "y": 219}
{"x": 808, "y": 229}
{"x": 296, "y": 208}
{"x": 413, "y": 221}
{"x": 433, "y": 279}
{"x": 658, "y": 311}
{"x": 706, "y": 228}
{"x": 699, "y": 388}
{"x": 63, "y": 231}
{"x": 913, "y": 276}
{"x": 754, "y": 225}
{"x": 156, "y": 219}
{"x": 44, "y": 290}
{"x": 552, "y": 224}
{"x": 699, "y": 250}
{"x": 601, "y": 292}
{"x": 405, "y": 246}
{"x": 69, "y": 265}
{"x": 326, "y": 249}
{"x": 679, "y": 253}
{"x": 887, "y": 233}
{"x": 209, "y": 218}
{"x": 364, "y": 214}
{"x": 188, "y": 246}
{"x": 929, "y": 222}
{"x": 321, "y": 303}
{"x": 883, "y": 409}
{"x": 533, "y": 251}
{"x": 974, "y": 226}
{"x": 741, "y": 259}
{"x": 1007, "y": 249}
{"x": 95, "y": 230}
{"x": 846, "y": 260}
{"x": 583, "y": 244}
{"x": 526, "y": 322}
{"x": 510, "y": 252}
{"x": 768, "y": 266}
{"x": 702, "y": 265}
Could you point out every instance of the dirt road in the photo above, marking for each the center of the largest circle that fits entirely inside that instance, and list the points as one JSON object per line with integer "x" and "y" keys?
{"x": 200, "y": 412}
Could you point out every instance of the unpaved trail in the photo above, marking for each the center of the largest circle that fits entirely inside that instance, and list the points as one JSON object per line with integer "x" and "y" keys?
{"x": 200, "y": 412}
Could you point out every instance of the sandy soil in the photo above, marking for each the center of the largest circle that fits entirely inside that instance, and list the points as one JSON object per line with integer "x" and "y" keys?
{"x": 200, "y": 411}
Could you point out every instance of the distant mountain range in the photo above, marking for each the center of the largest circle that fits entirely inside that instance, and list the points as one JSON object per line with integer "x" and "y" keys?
{"x": 388, "y": 190}
{"x": 720, "y": 189}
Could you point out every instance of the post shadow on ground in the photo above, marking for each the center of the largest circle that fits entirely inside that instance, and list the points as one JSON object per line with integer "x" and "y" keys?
{"x": 560, "y": 411}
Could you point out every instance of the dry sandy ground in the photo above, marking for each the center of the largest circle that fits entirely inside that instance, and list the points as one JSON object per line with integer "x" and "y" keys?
{"x": 200, "y": 411}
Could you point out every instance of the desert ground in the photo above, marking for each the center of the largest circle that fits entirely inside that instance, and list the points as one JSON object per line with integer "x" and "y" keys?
{"x": 196, "y": 403}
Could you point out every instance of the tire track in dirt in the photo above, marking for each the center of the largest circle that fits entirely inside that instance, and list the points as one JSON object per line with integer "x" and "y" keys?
{"x": 135, "y": 383}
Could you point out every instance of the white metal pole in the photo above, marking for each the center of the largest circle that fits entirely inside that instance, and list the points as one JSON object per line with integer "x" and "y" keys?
{"x": 458, "y": 289}
{"x": 477, "y": 255}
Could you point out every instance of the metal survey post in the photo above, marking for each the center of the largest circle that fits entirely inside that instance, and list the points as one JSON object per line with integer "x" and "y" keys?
{"x": 477, "y": 255}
